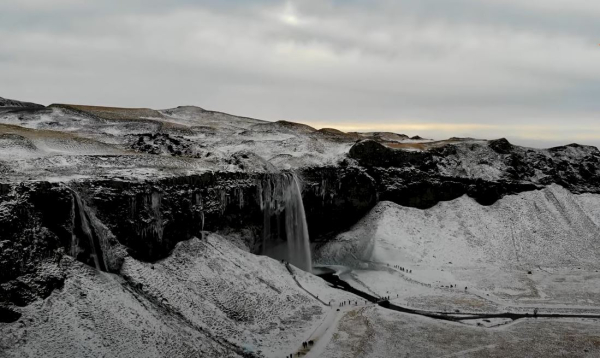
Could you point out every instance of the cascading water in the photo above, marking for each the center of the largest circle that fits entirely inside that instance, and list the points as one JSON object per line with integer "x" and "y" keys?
{"x": 81, "y": 224}
{"x": 281, "y": 195}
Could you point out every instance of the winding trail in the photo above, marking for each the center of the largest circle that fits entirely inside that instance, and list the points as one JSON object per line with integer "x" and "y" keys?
{"x": 323, "y": 334}
{"x": 338, "y": 283}
{"x": 493, "y": 300}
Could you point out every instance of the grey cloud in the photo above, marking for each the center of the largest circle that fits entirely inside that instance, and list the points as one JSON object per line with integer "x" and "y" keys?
{"x": 505, "y": 64}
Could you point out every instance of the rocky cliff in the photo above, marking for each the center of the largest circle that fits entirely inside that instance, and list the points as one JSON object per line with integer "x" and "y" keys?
{"x": 102, "y": 184}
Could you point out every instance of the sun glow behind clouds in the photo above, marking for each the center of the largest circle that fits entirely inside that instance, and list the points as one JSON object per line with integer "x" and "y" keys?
{"x": 290, "y": 15}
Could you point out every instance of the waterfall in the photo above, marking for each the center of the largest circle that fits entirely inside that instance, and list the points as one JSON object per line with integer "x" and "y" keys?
{"x": 281, "y": 195}
{"x": 81, "y": 224}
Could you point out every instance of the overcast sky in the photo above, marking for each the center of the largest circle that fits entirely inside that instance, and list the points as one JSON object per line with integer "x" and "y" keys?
{"x": 527, "y": 70}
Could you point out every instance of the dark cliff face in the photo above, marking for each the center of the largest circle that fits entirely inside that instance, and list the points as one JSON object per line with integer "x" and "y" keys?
{"x": 35, "y": 230}
{"x": 335, "y": 198}
{"x": 484, "y": 170}
{"x": 149, "y": 218}
{"x": 99, "y": 222}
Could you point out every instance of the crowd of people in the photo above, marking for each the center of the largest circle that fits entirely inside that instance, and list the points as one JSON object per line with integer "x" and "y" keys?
{"x": 402, "y": 268}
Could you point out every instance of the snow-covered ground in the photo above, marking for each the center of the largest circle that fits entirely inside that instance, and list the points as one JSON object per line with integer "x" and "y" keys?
{"x": 209, "y": 299}
{"x": 212, "y": 298}
{"x": 31, "y": 142}
{"x": 534, "y": 249}
{"x": 377, "y": 332}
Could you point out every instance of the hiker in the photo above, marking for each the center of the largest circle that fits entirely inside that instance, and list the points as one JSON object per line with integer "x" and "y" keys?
{"x": 465, "y": 288}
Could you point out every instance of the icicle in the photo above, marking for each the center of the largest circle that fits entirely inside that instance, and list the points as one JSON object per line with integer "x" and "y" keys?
{"x": 74, "y": 240}
{"x": 241, "y": 198}
{"x": 199, "y": 207}
{"x": 155, "y": 203}
{"x": 224, "y": 201}
{"x": 202, "y": 229}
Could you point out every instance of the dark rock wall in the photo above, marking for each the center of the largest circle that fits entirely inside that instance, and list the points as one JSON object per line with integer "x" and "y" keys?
{"x": 35, "y": 231}
{"x": 335, "y": 198}
{"x": 149, "y": 218}
{"x": 41, "y": 222}
{"x": 454, "y": 169}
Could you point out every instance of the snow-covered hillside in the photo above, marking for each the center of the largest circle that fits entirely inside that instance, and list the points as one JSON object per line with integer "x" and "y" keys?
{"x": 538, "y": 248}
{"x": 549, "y": 227}
{"x": 208, "y": 299}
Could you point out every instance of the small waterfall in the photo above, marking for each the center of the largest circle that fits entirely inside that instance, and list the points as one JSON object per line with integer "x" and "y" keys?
{"x": 281, "y": 195}
{"x": 199, "y": 207}
{"x": 87, "y": 251}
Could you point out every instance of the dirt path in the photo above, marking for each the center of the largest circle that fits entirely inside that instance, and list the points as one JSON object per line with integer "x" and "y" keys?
{"x": 323, "y": 334}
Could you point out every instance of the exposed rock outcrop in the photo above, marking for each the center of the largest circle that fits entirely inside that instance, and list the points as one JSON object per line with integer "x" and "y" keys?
{"x": 484, "y": 170}
{"x": 11, "y": 103}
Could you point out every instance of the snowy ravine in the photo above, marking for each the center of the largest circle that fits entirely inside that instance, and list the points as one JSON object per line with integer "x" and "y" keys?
{"x": 161, "y": 233}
